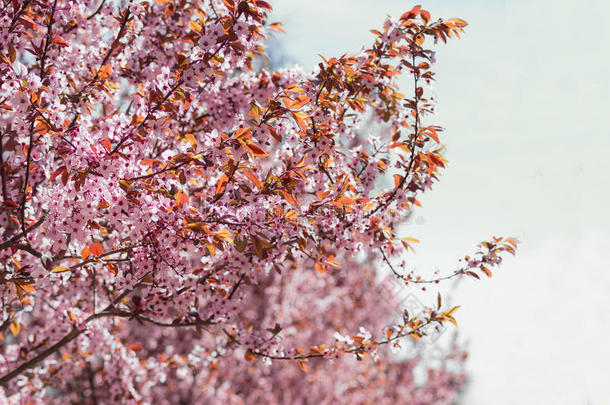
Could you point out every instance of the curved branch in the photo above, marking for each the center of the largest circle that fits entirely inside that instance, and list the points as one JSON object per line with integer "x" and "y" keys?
{"x": 75, "y": 332}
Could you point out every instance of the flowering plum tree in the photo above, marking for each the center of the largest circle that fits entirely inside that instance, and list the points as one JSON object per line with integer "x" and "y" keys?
{"x": 180, "y": 226}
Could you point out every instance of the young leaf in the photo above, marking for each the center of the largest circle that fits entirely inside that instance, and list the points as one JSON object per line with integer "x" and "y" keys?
{"x": 60, "y": 269}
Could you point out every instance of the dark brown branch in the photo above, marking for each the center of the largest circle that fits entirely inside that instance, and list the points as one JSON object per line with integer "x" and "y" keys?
{"x": 18, "y": 15}
{"x": 73, "y": 334}
{"x": 15, "y": 238}
{"x": 362, "y": 348}
{"x": 47, "y": 41}
{"x": 408, "y": 279}
{"x": 148, "y": 115}
{"x": 109, "y": 53}
{"x": 167, "y": 169}
{"x": 96, "y": 12}
{"x": 2, "y": 173}
{"x": 111, "y": 49}
{"x": 28, "y": 249}
{"x": 235, "y": 287}
{"x": 413, "y": 143}
{"x": 27, "y": 177}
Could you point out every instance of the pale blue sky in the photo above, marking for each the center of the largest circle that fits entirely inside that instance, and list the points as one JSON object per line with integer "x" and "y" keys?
{"x": 524, "y": 98}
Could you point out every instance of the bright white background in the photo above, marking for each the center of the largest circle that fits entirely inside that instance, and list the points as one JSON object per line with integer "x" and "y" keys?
{"x": 524, "y": 96}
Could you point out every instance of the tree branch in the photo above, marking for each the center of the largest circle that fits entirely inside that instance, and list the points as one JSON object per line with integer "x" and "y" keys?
{"x": 15, "y": 238}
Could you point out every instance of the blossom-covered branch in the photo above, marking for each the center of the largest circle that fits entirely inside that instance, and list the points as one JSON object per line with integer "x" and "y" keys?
{"x": 180, "y": 224}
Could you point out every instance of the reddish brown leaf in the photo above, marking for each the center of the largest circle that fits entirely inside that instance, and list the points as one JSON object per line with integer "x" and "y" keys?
{"x": 221, "y": 184}
{"x": 59, "y": 41}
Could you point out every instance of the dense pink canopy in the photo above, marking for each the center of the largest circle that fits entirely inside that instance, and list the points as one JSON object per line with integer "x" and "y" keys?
{"x": 180, "y": 224}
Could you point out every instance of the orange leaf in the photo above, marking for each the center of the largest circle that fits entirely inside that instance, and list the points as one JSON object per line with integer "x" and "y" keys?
{"x": 321, "y": 195}
{"x": 105, "y": 72}
{"x": 8, "y": 62}
{"x": 191, "y": 139}
{"x": 276, "y": 26}
{"x": 388, "y": 333}
{"x": 512, "y": 241}
{"x": 96, "y": 249}
{"x": 181, "y": 199}
{"x": 249, "y": 356}
{"x": 27, "y": 287}
{"x": 197, "y": 227}
{"x": 59, "y": 41}
{"x": 12, "y": 54}
{"x": 299, "y": 117}
{"x": 346, "y": 200}
{"x": 85, "y": 253}
{"x": 15, "y": 326}
{"x": 221, "y": 183}
{"x": 452, "y": 310}
{"x": 106, "y": 144}
{"x": 41, "y": 128}
{"x": 458, "y": 22}
{"x": 60, "y": 269}
{"x": 252, "y": 177}
{"x": 289, "y": 197}
{"x": 397, "y": 180}
{"x": 256, "y": 150}
{"x": 243, "y": 133}
{"x": 136, "y": 120}
{"x": 112, "y": 268}
{"x": 320, "y": 268}
{"x": 299, "y": 102}
{"x": 211, "y": 249}
{"x": 224, "y": 235}
{"x": 194, "y": 26}
{"x": 302, "y": 365}
{"x": 425, "y": 15}
{"x": 414, "y": 201}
